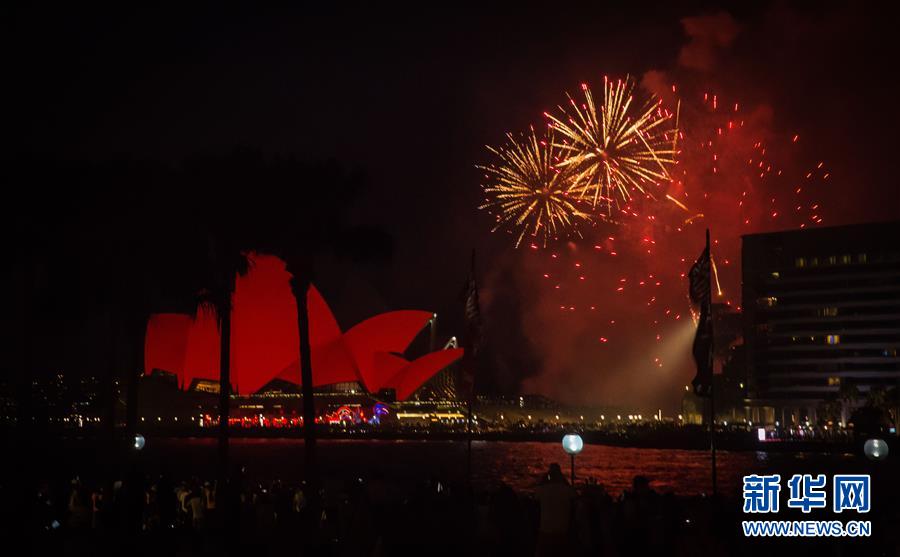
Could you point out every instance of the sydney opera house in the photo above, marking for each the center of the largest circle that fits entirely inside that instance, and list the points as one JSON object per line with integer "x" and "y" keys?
{"x": 369, "y": 357}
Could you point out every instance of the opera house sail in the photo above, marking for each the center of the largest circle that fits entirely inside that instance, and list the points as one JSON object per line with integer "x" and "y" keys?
{"x": 265, "y": 342}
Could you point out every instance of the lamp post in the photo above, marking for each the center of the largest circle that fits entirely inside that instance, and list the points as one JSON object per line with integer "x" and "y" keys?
{"x": 572, "y": 444}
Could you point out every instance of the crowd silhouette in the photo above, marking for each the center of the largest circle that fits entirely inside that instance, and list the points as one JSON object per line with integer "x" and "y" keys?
{"x": 367, "y": 516}
{"x": 376, "y": 516}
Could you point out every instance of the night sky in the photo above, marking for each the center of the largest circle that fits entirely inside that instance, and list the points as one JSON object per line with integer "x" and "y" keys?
{"x": 410, "y": 98}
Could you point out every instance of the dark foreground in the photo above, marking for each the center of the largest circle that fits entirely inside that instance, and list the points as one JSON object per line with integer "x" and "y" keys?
{"x": 374, "y": 517}
{"x": 414, "y": 498}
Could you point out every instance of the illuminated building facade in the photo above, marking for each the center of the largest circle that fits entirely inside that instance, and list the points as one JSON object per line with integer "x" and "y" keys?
{"x": 822, "y": 317}
{"x": 265, "y": 344}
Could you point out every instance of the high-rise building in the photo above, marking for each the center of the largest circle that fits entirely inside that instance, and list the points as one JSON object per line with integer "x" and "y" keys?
{"x": 821, "y": 318}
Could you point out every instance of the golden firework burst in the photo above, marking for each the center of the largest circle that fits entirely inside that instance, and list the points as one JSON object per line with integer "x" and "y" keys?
{"x": 618, "y": 148}
{"x": 527, "y": 192}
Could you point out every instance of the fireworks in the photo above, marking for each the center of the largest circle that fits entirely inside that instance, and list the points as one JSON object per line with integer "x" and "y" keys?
{"x": 627, "y": 281}
{"x": 648, "y": 182}
{"x": 617, "y": 148}
{"x": 527, "y": 191}
{"x": 603, "y": 153}
{"x": 734, "y": 175}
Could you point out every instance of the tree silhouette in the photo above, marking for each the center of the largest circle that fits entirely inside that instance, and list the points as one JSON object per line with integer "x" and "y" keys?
{"x": 297, "y": 233}
{"x": 126, "y": 239}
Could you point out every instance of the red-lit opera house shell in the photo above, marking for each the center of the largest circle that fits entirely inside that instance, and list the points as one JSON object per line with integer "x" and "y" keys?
{"x": 265, "y": 343}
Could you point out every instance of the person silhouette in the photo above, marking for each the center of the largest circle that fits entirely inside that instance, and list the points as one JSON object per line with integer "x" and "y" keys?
{"x": 556, "y": 498}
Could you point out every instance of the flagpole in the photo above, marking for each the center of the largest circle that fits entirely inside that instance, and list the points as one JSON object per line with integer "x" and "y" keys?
{"x": 712, "y": 375}
{"x": 470, "y": 360}
{"x": 469, "y": 439}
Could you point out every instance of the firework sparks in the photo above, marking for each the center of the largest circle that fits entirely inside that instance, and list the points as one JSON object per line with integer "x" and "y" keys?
{"x": 528, "y": 193}
{"x": 617, "y": 148}
{"x": 716, "y": 276}
{"x": 676, "y": 202}
{"x": 733, "y": 175}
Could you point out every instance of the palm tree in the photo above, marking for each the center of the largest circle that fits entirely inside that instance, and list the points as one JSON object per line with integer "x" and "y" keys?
{"x": 227, "y": 262}
{"x": 300, "y": 269}
{"x": 297, "y": 233}
{"x": 263, "y": 223}
{"x": 140, "y": 259}
{"x": 24, "y": 237}
{"x": 221, "y": 222}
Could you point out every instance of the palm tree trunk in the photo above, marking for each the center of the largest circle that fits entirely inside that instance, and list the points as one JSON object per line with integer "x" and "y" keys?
{"x": 108, "y": 431}
{"x": 300, "y": 269}
{"x": 301, "y": 288}
{"x": 109, "y": 383}
{"x": 22, "y": 470}
{"x": 224, "y": 312}
{"x": 137, "y": 325}
{"x": 136, "y": 371}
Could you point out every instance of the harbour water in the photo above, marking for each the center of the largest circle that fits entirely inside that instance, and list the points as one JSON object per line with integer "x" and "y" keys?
{"x": 518, "y": 464}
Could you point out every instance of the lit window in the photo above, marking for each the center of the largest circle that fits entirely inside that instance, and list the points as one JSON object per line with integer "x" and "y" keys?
{"x": 767, "y": 302}
{"x": 828, "y": 312}
{"x": 814, "y": 262}
{"x": 776, "y": 274}
{"x": 800, "y": 262}
{"x": 846, "y": 259}
{"x": 833, "y": 339}
{"x": 832, "y": 260}
{"x": 833, "y": 381}
{"x": 861, "y": 258}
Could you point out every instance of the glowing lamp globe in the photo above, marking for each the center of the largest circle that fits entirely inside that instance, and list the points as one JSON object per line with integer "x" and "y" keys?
{"x": 876, "y": 449}
{"x": 572, "y": 443}
{"x": 139, "y": 441}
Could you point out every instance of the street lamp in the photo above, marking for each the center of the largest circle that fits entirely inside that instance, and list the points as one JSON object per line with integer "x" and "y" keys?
{"x": 139, "y": 441}
{"x": 876, "y": 449}
{"x": 572, "y": 444}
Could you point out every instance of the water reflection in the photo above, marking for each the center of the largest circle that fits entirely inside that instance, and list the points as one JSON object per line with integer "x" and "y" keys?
{"x": 685, "y": 472}
{"x": 519, "y": 464}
